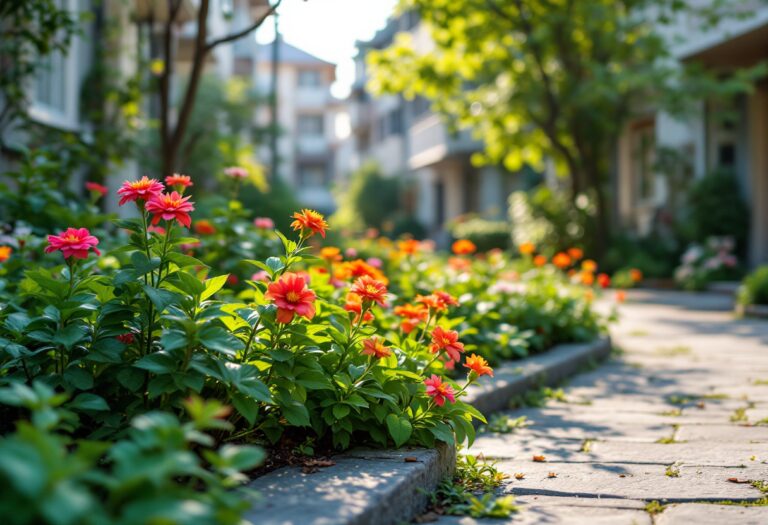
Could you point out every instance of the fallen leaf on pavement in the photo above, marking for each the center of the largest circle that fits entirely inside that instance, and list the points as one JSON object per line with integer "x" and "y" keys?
{"x": 539, "y": 459}
{"x": 519, "y": 475}
{"x": 737, "y": 480}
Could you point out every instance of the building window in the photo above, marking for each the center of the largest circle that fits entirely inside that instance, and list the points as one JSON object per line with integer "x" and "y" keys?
{"x": 312, "y": 175}
{"x": 643, "y": 144}
{"x": 396, "y": 122}
{"x": 309, "y": 78}
{"x": 311, "y": 125}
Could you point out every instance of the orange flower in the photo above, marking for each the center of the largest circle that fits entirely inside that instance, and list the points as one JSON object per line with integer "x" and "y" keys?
{"x": 463, "y": 247}
{"x": 355, "y": 304}
{"x": 412, "y": 316}
{"x": 204, "y": 227}
{"x": 575, "y": 253}
{"x": 291, "y": 295}
{"x": 588, "y": 265}
{"x": 603, "y": 280}
{"x": 330, "y": 254}
{"x": 408, "y": 246}
{"x": 621, "y": 296}
{"x": 636, "y": 275}
{"x": 358, "y": 268}
{"x": 139, "y": 190}
{"x": 437, "y": 300}
{"x": 5, "y": 253}
{"x": 170, "y": 206}
{"x": 179, "y": 181}
{"x": 587, "y": 278}
{"x": 527, "y": 248}
{"x": 478, "y": 366}
{"x": 561, "y": 260}
{"x": 589, "y": 295}
{"x": 459, "y": 264}
{"x": 309, "y": 222}
{"x": 539, "y": 260}
{"x": 439, "y": 391}
{"x": 369, "y": 289}
{"x": 375, "y": 347}
{"x": 447, "y": 340}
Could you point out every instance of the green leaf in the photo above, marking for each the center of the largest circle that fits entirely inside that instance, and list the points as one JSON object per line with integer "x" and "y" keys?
{"x": 70, "y": 335}
{"x": 217, "y": 339}
{"x": 213, "y": 285}
{"x": 340, "y": 411}
{"x": 242, "y": 457}
{"x": 157, "y": 363}
{"x": 247, "y": 407}
{"x": 86, "y": 401}
{"x": 400, "y": 428}
{"x": 78, "y": 377}
{"x": 161, "y": 298}
{"x": 274, "y": 264}
{"x": 296, "y": 414}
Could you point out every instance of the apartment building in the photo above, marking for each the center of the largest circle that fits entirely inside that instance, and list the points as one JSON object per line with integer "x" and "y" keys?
{"x": 703, "y": 141}
{"x": 407, "y": 139}
{"x": 306, "y": 116}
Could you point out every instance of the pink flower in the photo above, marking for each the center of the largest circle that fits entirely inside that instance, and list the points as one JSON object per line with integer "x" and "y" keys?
{"x": 265, "y": 223}
{"x": 139, "y": 190}
{"x": 260, "y": 276}
{"x": 375, "y": 262}
{"x": 96, "y": 187}
{"x": 439, "y": 391}
{"x": 73, "y": 242}
{"x": 351, "y": 253}
{"x": 169, "y": 207}
{"x": 156, "y": 229}
{"x": 236, "y": 172}
{"x": 182, "y": 181}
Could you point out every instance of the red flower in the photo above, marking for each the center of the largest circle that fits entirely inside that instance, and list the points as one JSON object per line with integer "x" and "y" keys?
{"x": 309, "y": 221}
{"x": 291, "y": 295}
{"x": 96, "y": 187}
{"x": 575, "y": 253}
{"x": 355, "y": 304}
{"x": 236, "y": 172}
{"x": 126, "y": 338}
{"x": 143, "y": 189}
{"x": 204, "y": 227}
{"x": 264, "y": 223}
{"x": 463, "y": 247}
{"x": 182, "y": 181}
{"x": 604, "y": 280}
{"x": 478, "y": 366}
{"x": 73, "y": 242}
{"x": 375, "y": 347}
{"x": 447, "y": 340}
{"x": 446, "y": 298}
{"x": 169, "y": 207}
{"x": 439, "y": 391}
{"x": 369, "y": 289}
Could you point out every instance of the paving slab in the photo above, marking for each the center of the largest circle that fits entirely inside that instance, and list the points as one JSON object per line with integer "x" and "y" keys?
{"x": 703, "y": 514}
{"x": 661, "y": 420}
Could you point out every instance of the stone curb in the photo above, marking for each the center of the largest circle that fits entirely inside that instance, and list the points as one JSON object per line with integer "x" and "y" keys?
{"x": 547, "y": 369}
{"x": 386, "y": 487}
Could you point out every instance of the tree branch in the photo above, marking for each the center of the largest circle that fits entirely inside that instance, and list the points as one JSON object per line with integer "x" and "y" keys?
{"x": 239, "y": 34}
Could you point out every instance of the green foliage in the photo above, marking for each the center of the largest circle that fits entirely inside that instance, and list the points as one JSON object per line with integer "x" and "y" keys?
{"x": 486, "y": 234}
{"x": 754, "y": 287}
{"x": 654, "y": 255}
{"x": 470, "y": 491}
{"x": 708, "y": 217}
{"x": 545, "y": 217}
{"x": 370, "y": 200}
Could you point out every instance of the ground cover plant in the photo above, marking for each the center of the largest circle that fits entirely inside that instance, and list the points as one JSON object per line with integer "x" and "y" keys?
{"x": 105, "y": 367}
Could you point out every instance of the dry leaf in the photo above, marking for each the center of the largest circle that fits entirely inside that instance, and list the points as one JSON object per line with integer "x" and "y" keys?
{"x": 410, "y": 459}
{"x": 310, "y": 466}
{"x": 539, "y": 459}
{"x": 519, "y": 475}
{"x": 551, "y": 475}
{"x": 737, "y": 480}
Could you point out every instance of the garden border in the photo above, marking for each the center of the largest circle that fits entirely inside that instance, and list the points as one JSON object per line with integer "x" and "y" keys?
{"x": 383, "y": 487}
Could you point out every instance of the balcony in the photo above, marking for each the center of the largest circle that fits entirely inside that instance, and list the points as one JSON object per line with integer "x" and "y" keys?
{"x": 429, "y": 142}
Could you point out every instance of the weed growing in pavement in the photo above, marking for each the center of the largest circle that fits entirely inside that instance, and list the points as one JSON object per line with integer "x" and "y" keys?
{"x": 504, "y": 424}
{"x": 538, "y": 398}
{"x": 675, "y": 412}
{"x": 674, "y": 351}
{"x": 471, "y": 491}
{"x": 672, "y": 471}
{"x": 638, "y": 333}
{"x": 672, "y": 438}
{"x": 586, "y": 446}
{"x": 715, "y": 396}
{"x": 760, "y": 382}
{"x": 739, "y": 415}
{"x": 654, "y": 507}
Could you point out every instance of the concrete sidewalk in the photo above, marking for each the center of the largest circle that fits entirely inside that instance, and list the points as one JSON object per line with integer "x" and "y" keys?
{"x": 681, "y": 417}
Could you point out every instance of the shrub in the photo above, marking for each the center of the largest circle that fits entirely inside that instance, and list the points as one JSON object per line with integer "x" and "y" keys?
{"x": 702, "y": 264}
{"x": 754, "y": 287}
{"x": 486, "y": 234}
{"x": 370, "y": 200}
{"x": 717, "y": 209}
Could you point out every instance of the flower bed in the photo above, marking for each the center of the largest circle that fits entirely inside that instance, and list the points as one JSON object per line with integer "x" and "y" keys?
{"x": 138, "y": 377}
